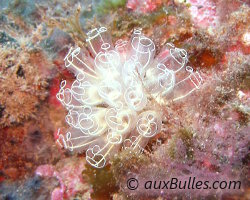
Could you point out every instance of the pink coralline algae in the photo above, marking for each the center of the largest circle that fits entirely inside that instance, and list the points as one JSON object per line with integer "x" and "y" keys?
{"x": 69, "y": 176}
{"x": 146, "y": 6}
{"x": 203, "y": 13}
{"x": 120, "y": 91}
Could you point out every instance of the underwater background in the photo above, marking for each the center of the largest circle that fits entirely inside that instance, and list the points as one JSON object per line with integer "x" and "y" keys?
{"x": 205, "y": 135}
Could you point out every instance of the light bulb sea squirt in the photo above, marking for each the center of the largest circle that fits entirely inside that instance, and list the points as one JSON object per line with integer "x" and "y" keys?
{"x": 114, "y": 101}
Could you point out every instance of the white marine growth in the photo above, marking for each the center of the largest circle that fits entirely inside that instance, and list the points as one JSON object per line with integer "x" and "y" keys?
{"x": 115, "y": 101}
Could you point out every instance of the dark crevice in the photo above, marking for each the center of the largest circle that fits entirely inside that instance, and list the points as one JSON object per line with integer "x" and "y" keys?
{"x": 20, "y": 72}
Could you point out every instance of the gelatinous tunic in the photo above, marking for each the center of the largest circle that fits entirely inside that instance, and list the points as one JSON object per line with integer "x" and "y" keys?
{"x": 114, "y": 101}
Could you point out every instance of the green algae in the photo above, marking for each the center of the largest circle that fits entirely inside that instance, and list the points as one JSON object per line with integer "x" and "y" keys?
{"x": 4, "y": 39}
{"x": 107, "y": 6}
{"x": 25, "y": 9}
{"x": 102, "y": 181}
{"x": 127, "y": 160}
{"x": 126, "y": 21}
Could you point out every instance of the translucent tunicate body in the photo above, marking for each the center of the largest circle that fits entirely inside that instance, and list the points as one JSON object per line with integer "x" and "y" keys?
{"x": 110, "y": 102}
